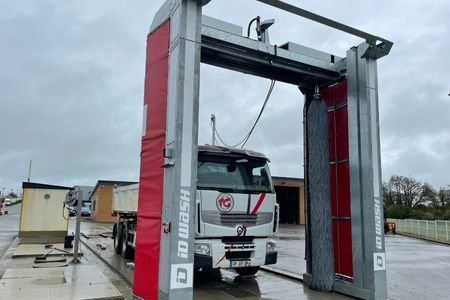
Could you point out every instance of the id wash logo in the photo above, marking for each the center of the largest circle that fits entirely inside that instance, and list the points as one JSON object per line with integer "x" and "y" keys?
{"x": 181, "y": 276}
{"x": 379, "y": 258}
{"x": 183, "y": 224}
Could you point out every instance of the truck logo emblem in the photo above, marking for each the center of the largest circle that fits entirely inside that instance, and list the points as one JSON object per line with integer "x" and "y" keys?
{"x": 225, "y": 202}
{"x": 241, "y": 230}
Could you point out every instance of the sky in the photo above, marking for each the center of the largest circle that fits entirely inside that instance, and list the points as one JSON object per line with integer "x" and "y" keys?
{"x": 72, "y": 80}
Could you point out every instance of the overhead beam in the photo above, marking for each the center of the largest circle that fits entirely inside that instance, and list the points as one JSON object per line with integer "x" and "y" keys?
{"x": 380, "y": 46}
{"x": 236, "y": 52}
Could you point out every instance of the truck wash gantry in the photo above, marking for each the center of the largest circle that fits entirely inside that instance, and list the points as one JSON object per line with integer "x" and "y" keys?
{"x": 177, "y": 43}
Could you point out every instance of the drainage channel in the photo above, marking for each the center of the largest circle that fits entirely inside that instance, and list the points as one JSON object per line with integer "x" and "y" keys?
{"x": 124, "y": 278}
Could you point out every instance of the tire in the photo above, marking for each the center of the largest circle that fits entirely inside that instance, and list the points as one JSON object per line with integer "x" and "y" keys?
{"x": 249, "y": 271}
{"x": 127, "y": 250}
{"x": 117, "y": 232}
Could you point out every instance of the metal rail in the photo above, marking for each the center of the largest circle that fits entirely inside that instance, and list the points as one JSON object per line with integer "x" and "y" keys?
{"x": 382, "y": 48}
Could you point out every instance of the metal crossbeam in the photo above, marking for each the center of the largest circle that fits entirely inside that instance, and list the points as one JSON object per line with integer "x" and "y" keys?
{"x": 228, "y": 50}
{"x": 379, "y": 49}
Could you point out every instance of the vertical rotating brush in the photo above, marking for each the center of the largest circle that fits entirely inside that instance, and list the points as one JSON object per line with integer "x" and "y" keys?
{"x": 318, "y": 181}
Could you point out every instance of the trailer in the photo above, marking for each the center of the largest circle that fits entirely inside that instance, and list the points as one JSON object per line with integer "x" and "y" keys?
{"x": 236, "y": 212}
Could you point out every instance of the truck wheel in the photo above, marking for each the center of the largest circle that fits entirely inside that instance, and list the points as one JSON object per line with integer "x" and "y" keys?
{"x": 247, "y": 271}
{"x": 117, "y": 232}
{"x": 127, "y": 250}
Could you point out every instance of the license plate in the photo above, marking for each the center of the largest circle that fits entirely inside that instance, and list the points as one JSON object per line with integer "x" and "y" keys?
{"x": 240, "y": 263}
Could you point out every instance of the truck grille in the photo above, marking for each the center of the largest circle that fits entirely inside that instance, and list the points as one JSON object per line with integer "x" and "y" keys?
{"x": 233, "y": 219}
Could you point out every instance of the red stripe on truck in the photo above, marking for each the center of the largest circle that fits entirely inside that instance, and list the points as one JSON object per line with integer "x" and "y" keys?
{"x": 258, "y": 204}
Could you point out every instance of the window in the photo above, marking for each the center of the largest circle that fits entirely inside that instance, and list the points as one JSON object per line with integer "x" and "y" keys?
{"x": 228, "y": 174}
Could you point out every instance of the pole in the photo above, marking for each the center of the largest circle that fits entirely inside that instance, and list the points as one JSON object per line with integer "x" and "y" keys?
{"x": 446, "y": 228}
{"x": 418, "y": 228}
{"x": 213, "y": 120}
{"x": 435, "y": 229}
{"x": 79, "y": 192}
{"x": 29, "y": 171}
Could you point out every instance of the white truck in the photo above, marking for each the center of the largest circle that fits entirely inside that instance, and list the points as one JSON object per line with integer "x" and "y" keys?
{"x": 236, "y": 212}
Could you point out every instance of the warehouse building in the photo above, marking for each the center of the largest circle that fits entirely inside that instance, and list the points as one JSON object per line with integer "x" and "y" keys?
{"x": 101, "y": 200}
{"x": 291, "y": 198}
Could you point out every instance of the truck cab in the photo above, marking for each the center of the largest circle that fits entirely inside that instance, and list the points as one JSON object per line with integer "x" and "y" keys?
{"x": 236, "y": 212}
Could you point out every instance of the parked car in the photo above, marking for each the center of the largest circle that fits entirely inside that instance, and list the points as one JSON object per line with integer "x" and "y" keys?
{"x": 7, "y": 201}
{"x": 85, "y": 212}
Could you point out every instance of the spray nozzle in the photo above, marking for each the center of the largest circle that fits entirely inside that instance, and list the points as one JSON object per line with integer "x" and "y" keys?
{"x": 316, "y": 92}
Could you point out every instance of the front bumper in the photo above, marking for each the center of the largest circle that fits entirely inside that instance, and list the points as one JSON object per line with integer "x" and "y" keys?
{"x": 222, "y": 254}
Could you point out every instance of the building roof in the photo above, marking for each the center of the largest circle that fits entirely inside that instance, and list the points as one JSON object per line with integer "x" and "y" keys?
{"x": 35, "y": 185}
{"x": 110, "y": 182}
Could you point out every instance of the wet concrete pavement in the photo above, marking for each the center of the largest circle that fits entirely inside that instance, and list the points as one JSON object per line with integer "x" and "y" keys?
{"x": 416, "y": 269}
{"x": 226, "y": 285}
{"x": 9, "y": 227}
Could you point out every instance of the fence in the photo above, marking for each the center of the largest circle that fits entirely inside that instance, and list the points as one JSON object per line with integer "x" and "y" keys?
{"x": 436, "y": 230}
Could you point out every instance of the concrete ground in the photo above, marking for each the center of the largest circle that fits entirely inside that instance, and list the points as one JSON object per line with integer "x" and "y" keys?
{"x": 9, "y": 226}
{"x": 224, "y": 286}
{"x": 416, "y": 269}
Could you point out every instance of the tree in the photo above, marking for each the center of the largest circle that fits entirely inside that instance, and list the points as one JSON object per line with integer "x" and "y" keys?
{"x": 408, "y": 192}
{"x": 444, "y": 197}
{"x": 12, "y": 195}
{"x": 429, "y": 196}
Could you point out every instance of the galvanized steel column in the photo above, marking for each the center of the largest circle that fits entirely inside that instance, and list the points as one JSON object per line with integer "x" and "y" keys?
{"x": 167, "y": 225}
{"x": 369, "y": 280}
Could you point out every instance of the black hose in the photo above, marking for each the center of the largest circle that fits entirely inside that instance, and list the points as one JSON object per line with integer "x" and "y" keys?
{"x": 250, "y": 24}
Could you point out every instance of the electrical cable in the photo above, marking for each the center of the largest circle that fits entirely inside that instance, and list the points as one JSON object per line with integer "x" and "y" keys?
{"x": 269, "y": 92}
{"x": 64, "y": 217}
{"x": 257, "y": 19}
{"x": 247, "y": 136}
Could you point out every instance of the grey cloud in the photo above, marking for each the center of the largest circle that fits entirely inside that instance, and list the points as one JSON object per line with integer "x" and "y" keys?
{"x": 71, "y": 87}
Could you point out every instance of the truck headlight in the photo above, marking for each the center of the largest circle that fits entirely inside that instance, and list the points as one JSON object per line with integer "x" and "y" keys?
{"x": 271, "y": 246}
{"x": 202, "y": 248}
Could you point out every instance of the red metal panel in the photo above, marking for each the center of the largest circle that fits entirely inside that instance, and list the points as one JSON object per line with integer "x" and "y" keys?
{"x": 345, "y": 247}
{"x": 335, "y": 96}
{"x": 343, "y": 192}
{"x": 341, "y": 119}
{"x": 333, "y": 190}
{"x": 340, "y": 92}
{"x": 152, "y": 174}
{"x": 327, "y": 95}
{"x": 336, "y": 249}
{"x": 331, "y": 136}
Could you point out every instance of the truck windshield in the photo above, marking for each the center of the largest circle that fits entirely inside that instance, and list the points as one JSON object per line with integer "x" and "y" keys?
{"x": 233, "y": 175}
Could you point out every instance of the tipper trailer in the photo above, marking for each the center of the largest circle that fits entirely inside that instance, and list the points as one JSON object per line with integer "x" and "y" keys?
{"x": 236, "y": 212}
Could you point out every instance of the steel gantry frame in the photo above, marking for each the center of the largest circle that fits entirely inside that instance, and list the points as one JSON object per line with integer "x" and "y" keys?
{"x": 180, "y": 39}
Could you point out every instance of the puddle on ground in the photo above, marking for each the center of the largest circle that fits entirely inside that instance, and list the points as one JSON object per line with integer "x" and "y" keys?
{"x": 50, "y": 280}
